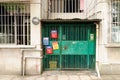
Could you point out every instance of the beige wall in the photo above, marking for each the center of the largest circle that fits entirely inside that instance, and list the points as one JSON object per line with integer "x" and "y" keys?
{"x": 98, "y": 9}
{"x": 10, "y": 61}
{"x": 11, "y": 55}
{"x": 35, "y": 29}
{"x": 114, "y": 55}
{"x": 107, "y": 54}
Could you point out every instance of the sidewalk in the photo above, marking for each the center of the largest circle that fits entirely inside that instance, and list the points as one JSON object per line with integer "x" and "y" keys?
{"x": 110, "y": 77}
{"x": 55, "y": 75}
{"x": 59, "y": 77}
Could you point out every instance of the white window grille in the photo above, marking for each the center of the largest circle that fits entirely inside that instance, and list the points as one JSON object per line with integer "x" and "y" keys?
{"x": 65, "y": 6}
{"x": 15, "y": 23}
{"x": 115, "y": 26}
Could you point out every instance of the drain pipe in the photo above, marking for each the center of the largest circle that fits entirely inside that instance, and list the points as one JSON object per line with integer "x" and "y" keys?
{"x": 98, "y": 71}
{"x": 97, "y": 52}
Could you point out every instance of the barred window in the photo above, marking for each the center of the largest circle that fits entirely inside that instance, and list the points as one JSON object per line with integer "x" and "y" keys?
{"x": 66, "y": 6}
{"x": 15, "y": 23}
{"x": 115, "y": 25}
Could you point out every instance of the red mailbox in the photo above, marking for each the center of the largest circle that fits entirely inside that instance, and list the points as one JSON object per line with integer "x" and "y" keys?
{"x": 49, "y": 50}
{"x": 54, "y": 34}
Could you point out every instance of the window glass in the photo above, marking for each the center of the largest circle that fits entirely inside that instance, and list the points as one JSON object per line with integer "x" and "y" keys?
{"x": 115, "y": 28}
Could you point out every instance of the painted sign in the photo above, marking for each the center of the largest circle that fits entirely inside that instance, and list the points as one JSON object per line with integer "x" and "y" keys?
{"x": 55, "y": 45}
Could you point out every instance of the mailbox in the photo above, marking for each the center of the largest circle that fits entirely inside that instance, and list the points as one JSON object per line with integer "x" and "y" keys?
{"x": 54, "y": 34}
{"x": 49, "y": 50}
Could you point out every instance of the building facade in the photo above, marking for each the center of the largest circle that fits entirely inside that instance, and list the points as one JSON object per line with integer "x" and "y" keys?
{"x": 38, "y": 35}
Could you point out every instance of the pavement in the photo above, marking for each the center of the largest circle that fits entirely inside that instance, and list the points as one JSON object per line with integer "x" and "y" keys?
{"x": 111, "y": 77}
{"x": 61, "y": 75}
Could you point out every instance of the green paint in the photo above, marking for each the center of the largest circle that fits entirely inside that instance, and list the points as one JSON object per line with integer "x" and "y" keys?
{"x": 75, "y": 47}
{"x": 77, "y": 43}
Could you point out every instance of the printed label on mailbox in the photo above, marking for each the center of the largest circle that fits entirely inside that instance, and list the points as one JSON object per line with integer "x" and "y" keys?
{"x": 45, "y": 41}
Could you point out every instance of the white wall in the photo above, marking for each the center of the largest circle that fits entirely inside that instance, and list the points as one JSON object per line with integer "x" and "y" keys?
{"x": 44, "y": 9}
{"x": 108, "y": 53}
{"x": 11, "y": 55}
{"x": 35, "y": 11}
{"x": 10, "y": 61}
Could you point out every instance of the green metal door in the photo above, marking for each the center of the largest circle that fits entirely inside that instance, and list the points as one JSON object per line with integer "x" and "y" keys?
{"x": 76, "y": 46}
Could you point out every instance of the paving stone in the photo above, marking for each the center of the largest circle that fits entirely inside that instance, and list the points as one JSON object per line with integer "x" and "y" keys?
{"x": 53, "y": 77}
{"x": 30, "y": 77}
{"x": 63, "y": 77}
{"x": 93, "y": 77}
{"x": 84, "y": 77}
{"x": 115, "y": 77}
{"x": 41, "y": 78}
{"x": 4, "y": 78}
{"x": 60, "y": 76}
{"x": 73, "y": 77}
{"x": 107, "y": 77}
{"x": 7, "y": 77}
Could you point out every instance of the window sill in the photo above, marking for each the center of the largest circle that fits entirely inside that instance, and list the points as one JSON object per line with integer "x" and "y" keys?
{"x": 113, "y": 45}
{"x": 17, "y": 46}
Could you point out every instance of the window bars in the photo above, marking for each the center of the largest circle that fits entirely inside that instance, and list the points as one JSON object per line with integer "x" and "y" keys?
{"x": 115, "y": 23}
{"x": 15, "y": 23}
{"x": 65, "y": 6}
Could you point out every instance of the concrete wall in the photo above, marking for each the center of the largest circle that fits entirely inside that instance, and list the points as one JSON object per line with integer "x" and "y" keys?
{"x": 35, "y": 11}
{"x": 108, "y": 53}
{"x": 31, "y": 61}
{"x": 10, "y": 61}
{"x": 67, "y": 16}
{"x": 113, "y": 64}
{"x": 11, "y": 56}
